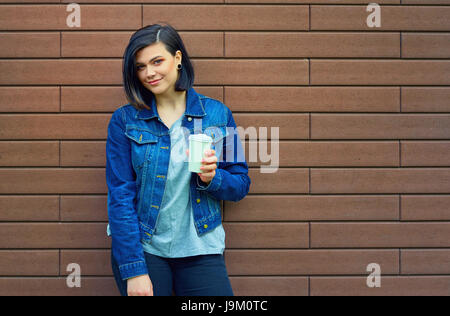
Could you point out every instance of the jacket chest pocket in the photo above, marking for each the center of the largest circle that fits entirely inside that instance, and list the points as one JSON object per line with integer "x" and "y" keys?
{"x": 143, "y": 144}
{"x": 218, "y": 134}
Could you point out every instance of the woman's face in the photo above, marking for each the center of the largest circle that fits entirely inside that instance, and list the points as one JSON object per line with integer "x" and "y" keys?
{"x": 155, "y": 63}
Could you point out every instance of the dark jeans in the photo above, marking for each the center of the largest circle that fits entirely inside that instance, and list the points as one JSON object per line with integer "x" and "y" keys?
{"x": 203, "y": 275}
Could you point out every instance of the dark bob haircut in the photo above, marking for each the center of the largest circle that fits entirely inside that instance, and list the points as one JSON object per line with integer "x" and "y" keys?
{"x": 139, "y": 96}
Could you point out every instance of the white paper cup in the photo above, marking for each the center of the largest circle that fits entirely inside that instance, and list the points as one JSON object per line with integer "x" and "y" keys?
{"x": 198, "y": 144}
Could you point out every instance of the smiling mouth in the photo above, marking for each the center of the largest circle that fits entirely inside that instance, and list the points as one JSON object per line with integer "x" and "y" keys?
{"x": 154, "y": 81}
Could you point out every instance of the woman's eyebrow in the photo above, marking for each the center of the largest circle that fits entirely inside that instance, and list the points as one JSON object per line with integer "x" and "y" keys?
{"x": 139, "y": 63}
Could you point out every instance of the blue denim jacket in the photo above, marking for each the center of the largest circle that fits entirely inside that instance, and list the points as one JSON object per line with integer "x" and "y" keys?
{"x": 137, "y": 160}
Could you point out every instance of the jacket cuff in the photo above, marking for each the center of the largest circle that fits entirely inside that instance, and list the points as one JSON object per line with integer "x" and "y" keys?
{"x": 214, "y": 185}
{"x": 134, "y": 269}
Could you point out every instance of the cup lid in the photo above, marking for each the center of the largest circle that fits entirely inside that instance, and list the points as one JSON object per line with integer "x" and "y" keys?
{"x": 200, "y": 138}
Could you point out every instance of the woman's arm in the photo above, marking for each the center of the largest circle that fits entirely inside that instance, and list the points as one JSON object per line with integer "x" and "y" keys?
{"x": 231, "y": 181}
{"x": 121, "y": 181}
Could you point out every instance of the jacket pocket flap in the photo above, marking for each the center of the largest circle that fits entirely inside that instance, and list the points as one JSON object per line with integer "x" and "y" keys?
{"x": 216, "y": 133}
{"x": 140, "y": 136}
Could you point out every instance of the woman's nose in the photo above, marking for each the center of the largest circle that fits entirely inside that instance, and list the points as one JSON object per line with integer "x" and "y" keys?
{"x": 150, "y": 71}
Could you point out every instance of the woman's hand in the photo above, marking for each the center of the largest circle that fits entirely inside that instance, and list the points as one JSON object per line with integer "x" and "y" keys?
{"x": 140, "y": 286}
{"x": 209, "y": 165}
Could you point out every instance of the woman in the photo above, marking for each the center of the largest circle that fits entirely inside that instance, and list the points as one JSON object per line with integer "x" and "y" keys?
{"x": 165, "y": 221}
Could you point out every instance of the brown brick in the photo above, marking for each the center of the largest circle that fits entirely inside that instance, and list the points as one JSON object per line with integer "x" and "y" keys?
{"x": 313, "y": 262}
{"x": 29, "y": 262}
{"x": 316, "y": 44}
{"x": 229, "y": 17}
{"x": 380, "y": 72}
{"x": 113, "y": 44}
{"x": 52, "y": 180}
{"x": 53, "y": 235}
{"x": 108, "y": 99}
{"x": 29, "y": 99}
{"x": 425, "y": 99}
{"x": 54, "y": 126}
{"x": 92, "y": 262}
{"x": 314, "y": 99}
{"x": 425, "y": 207}
{"x": 393, "y": 18}
{"x": 368, "y": 235}
{"x": 53, "y": 17}
{"x": 429, "y": 153}
{"x": 79, "y": 153}
{"x": 312, "y": 208}
{"x": 380, "y": 126}
{"x": 425, "y": 45}
{"x": 390, "y": 286}
{"x": 92, "y": 99}
{"x": 425, "y": 1}
{"x": 90, "y": 286}
{"x": 318, "y": 1}
{"x": 31, "y": 44}
{"x": 60, "y": 71}
{"x": 380, "y": 180}
{"x": 29, "y": 153}
{"x": 29, "y": 208}
{"x": 84, "y": 208}
{"x": 266, "y": 235}
{"x": 425, "y": 261}
{"x": 290, "y": 126}
{"x": 250, "y": 72}
{"x": 324, "y": 153}
{"x": 269, "y": 286}
{"x": 282, "y": 181}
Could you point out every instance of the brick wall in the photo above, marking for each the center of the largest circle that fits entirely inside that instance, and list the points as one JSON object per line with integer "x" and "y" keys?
{"x": 364, "y": 130}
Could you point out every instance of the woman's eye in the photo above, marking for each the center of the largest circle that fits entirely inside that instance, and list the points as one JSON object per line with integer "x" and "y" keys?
{"x": 159, "y": 60}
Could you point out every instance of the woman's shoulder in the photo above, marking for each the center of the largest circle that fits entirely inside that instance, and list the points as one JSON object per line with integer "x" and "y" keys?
{"x": 212, "y": 104}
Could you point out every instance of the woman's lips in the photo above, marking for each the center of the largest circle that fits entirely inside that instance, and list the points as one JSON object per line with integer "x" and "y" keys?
{"x": 154, "y": 82}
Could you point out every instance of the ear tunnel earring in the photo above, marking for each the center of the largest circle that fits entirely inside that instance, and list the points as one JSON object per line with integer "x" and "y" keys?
{"x": 179, "y": 66}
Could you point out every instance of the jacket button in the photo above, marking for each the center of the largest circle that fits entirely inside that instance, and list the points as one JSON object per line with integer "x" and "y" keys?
{"x": 198, "y": 200}
{"x": 189, "y": 118}
{"x": 205, "y": 226}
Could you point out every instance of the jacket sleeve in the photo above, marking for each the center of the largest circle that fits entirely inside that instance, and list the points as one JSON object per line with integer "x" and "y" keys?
{"x": 121, "y": 181}
{"x": 231, "y": 182}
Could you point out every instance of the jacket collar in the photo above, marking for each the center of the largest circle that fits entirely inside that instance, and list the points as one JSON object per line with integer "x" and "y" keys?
{"x": 194, "y": 107}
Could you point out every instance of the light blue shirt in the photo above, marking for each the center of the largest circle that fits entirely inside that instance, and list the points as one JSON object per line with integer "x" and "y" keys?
{"x": 175, "y": 235}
